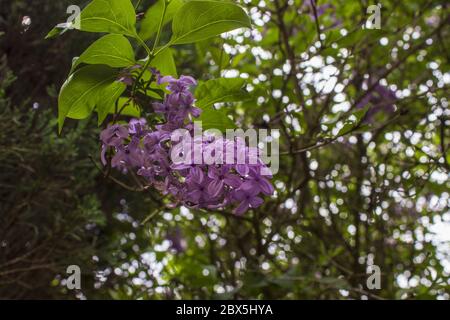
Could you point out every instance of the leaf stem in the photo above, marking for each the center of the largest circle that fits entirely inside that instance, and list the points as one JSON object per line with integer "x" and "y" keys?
{"x": 151, "y": 53}
{"x": 142, "y": 42}
{"x": 161, "y": 22}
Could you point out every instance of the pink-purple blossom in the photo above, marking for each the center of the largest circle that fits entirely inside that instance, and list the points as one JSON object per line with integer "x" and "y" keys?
{"x": 207, "y": 184}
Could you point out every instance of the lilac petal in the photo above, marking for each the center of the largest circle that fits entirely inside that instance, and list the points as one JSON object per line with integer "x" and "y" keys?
{"x": 186, "y": 98}
{"x": 239, "y": 195}
{"x": 242, "y": 208}
{"x": 250, "y": 187}
{"x": 137, "y": 127}
{"x": 233, "y": 180}
{"x": 194, "y": 195}
{"x": 173, "y": 100}
{"x": 150, "y": 141}
{"x": 266, "y": 186}
{"x": 117, "y": 160}
{"x": 213, "y": 172}
{"x": 242, "y": 169}
{"x": 195, "y": 112}
{"x": 165, "y": 79}
{"x": 197, "y": 174}
{"x": 188, "y": 80}
{"x": 121, "y": 131}
{"x": 256, "y": 202}
{"x": 159, "y": 107}
{"x": 215, "y": 187}
{"x": 113, "y": 135}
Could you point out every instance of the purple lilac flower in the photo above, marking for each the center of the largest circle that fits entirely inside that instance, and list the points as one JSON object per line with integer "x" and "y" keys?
{"x": 198, "y": 185}
{"x": 114, "y": 135}
{"x": 220, "y": 178}
{"x": 128, "y": 155}
{"x": 247, "y": 196}
{"x": 137, "y": 127}
{"x": 259, "y": 182}
{"x": 147, "y": 151}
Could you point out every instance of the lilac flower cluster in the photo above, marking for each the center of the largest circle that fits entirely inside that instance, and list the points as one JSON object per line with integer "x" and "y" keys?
{"x": 206, "y": 184}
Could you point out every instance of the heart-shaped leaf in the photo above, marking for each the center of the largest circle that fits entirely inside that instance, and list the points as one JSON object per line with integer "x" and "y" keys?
{"x": 83, "y": 90}
{"x": 165, "y": 63}
{"x": 109, "y": 16}
{"x": 216, "y": 119}
{"x": 220, "y": 90}
{"x": 200, "y": 20}
{"x": 113, "y": 50}
{"x": 112, "y": 16}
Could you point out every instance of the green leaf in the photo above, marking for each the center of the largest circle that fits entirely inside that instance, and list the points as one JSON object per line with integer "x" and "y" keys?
{"x": 82, "y": 91}
{"x": 165, "y": 63}
{"x": 108, "y": 99}
{"x": 113, "y": 50}
{"x": 131, "y": 109}
{"x": 57, "y": 31}
{"x": 150, "y": 23}
{"x": 109, "y": 16}
{"x": 200, "y": 20}
{"x": 220, "y": 90}
{"x": 112, "y": 16}
{"x": 216, "y": 119}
